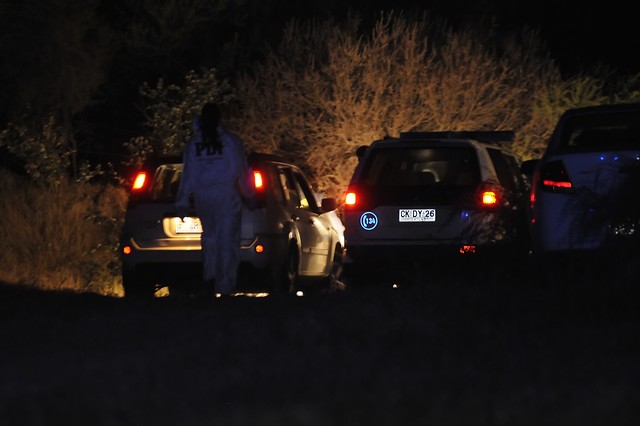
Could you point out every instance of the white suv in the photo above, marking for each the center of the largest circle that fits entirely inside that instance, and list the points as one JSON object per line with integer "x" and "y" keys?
{"x": 288, "y": 239}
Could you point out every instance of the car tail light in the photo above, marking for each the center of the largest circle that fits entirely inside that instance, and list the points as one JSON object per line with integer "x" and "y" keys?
{"x": 350, "y": 199}
{"x": 489, "y": 198}
{"x": 140, "y": 182}
{"x": 258, "y": 182}
{"x": 553, "y": 176}
{"x": 489, "y": 195}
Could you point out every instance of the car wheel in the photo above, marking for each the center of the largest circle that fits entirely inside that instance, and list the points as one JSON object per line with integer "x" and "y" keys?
{"x": 285, "y": 277}
{"x": 333, "y": 282}
{"x": 136, "y": 286}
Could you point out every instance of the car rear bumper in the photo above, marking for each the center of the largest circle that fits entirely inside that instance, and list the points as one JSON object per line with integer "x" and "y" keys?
{"x": 172, "y": 257}
{"x": 394, "y": 251}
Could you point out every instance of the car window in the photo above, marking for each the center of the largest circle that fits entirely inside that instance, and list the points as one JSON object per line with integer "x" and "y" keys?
{"x": 422, "y": 166}
{"x": 273, "y": 182}
{"x": 165, "y": 182}
{"x": 296, "y": 191}
{"x": 289, "y": 187}
{"x": 602, "y": 132}
{"x": 307, "y": 198}
{"x": 505, "y": 171}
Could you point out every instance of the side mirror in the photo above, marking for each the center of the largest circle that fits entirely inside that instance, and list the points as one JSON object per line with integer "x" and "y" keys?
{"x": 527, "y": 167}
{"x": 329, "y": 204}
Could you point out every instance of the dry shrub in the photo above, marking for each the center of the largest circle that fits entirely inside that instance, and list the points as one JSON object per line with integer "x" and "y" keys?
{"x": 62, "y": 236}
{"x": 328, "y": 89}
{"x": 331, "y": 86}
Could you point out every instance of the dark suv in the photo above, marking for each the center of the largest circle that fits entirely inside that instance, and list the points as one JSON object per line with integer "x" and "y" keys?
{"x": 289, "y": 238}
{"x": 423, "y": 196}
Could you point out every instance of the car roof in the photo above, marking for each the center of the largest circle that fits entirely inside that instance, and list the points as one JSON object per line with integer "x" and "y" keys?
{"x": 450, "y": 138}
{"x": 457, "y": 136}
{"x": 254, "y": 157}
{"x": 599, "y": 109}
{"x": 484, "y": 136}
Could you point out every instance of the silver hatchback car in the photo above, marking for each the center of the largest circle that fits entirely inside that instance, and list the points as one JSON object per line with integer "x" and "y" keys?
{"x": 289, "y": 239}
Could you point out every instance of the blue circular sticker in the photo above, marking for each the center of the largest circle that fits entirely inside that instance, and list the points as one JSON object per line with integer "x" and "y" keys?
{"x": 368, "y": 221}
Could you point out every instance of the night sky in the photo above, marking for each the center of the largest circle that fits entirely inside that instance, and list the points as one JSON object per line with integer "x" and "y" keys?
{"x": 578, "y": 34}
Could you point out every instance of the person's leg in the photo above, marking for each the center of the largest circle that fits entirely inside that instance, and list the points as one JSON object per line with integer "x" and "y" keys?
{"x": 228, "y": 244}
{"x": 206, "y": 213}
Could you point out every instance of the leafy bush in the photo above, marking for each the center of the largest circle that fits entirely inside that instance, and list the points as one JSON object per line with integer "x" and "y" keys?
{"x": 170, "y": 111}
{"x": 44, "y": 150}
{"x": 62, "y": 236}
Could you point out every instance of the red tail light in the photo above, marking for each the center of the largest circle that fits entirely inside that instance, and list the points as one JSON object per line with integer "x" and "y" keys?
{"x": 489, "y": 195}
{"x": 554, "y": 176}
{"x": 350, "y": 199}
{"x": 258, "y": 182}
{"x": 140, "y": 181}
{"x": 489, "y": 198}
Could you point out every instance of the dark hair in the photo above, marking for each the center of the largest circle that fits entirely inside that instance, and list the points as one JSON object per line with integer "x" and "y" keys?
{"x": 209, "y": 120}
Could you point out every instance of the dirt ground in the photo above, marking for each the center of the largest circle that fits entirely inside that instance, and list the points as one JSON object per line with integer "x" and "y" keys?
{"x": 446, "y": 353}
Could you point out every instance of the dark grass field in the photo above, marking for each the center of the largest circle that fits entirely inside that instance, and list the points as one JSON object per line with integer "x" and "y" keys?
{"x": 451, "y": 352}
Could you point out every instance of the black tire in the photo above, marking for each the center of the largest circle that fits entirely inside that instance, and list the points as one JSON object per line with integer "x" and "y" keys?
{"x": 136, "y": 286}
{"x": 285, "y": 277}
{"x": 333, "y": 283}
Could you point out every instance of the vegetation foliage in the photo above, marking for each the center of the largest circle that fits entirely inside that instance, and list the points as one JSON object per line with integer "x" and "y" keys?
{"x": 170, "y": 112}
{"x": 60, "y": 236}
{"x": 326, "y": 88}
{"x": 330, "y": 86}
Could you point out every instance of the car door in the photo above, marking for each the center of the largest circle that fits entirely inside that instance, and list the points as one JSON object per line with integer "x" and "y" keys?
{"x": 315, "y": 236}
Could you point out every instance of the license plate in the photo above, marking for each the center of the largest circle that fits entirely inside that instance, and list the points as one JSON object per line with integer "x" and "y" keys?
{"x": 417, "y": 215}
{"x": 190, "y": 225}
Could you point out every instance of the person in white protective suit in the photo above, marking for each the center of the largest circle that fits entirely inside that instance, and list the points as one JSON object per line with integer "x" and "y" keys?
{"x": 216, "y": 176}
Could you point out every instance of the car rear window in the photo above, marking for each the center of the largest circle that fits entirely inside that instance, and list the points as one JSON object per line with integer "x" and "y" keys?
{"x": 611, "y": 131}
{"x": 422, "y": 166}
{"x": 165, "y": 183}
{"x": 507, "y": 173}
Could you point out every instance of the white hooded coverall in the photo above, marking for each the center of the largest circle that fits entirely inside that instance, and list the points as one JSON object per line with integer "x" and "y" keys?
{"x": 217, "y": 180}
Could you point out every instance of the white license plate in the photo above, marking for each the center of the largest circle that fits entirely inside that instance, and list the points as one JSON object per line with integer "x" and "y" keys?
{"x": 190, "y": 225}
{"x": 417, "y": 215}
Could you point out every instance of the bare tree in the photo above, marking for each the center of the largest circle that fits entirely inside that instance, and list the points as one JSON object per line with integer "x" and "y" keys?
{"x": 328, "y": 89}
{"x": 330, "y": 86}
